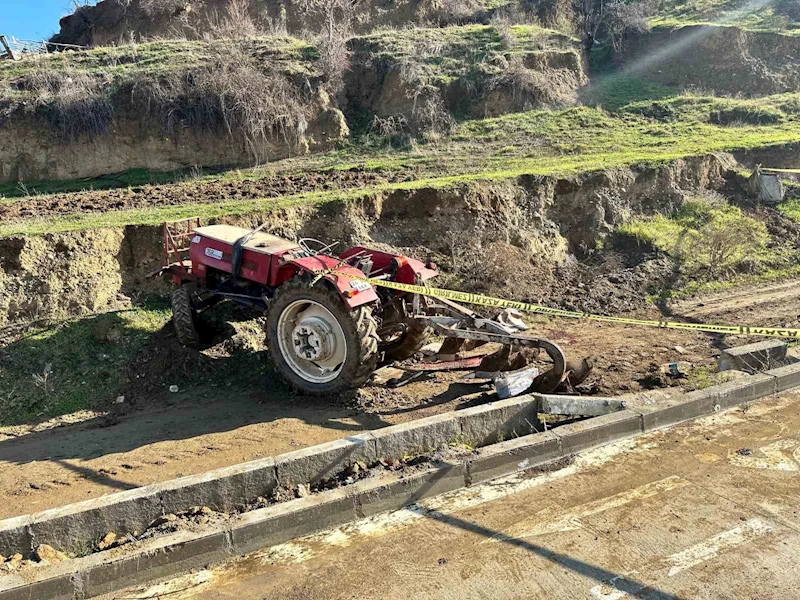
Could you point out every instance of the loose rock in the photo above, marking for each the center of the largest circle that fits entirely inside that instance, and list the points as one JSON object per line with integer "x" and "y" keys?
{"x": 108, "y": 541}
{"x": 164, "y": 519}
{"x": 45, "y": 553}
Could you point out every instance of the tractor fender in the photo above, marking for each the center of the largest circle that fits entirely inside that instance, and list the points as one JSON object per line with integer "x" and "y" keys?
{"x": 353, "y": 293}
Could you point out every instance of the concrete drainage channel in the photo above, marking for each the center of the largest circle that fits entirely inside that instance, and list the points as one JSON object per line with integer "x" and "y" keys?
{"x": 515, "y": 420}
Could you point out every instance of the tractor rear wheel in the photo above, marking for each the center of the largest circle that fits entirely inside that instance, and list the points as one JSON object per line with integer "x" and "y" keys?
{"x": 318, "y": 344}
{"x": 184, "y": 316}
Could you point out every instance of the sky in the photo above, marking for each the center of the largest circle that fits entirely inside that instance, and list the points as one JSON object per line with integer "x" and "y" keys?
{"x": 33, "y": 19}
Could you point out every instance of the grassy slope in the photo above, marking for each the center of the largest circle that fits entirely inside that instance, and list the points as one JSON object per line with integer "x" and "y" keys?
{"x": 63, "y": 368}
{"x": 755, "y": 15}
{"x": 152, "y": 58}
{"x": 540, "y": 142}
{"x": 444, "y": 54}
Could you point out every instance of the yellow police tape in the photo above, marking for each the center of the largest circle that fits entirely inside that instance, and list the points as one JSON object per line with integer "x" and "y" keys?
{"x": 781, "y": 170}
{"x": 478, "y": 299}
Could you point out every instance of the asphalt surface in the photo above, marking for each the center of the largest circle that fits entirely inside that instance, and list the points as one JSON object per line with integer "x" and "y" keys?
{"x": 708, "y": 509}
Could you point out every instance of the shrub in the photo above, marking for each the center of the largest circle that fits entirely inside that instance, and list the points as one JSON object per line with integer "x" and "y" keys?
{"x": 159, "y": 8}
{"x": 236, "y": 23}
{"x": 707, "y": 235}
{"x": 429, "y": 115}
{"x": 338, "y": 18}
{"x": 74, "y": 103}
{"x": 230, "y": 94}
{"x": 501, "y": 23}
{"x": 623, "y": 19}
{"x": 725, "y": 242}
{"x": 531, "y": 89}
{"x": 557, "y": 14}
{"x": 449, "y": 12}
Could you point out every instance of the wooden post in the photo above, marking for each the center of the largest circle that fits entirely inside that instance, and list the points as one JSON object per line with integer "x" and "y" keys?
{"x": 5, "y": 44}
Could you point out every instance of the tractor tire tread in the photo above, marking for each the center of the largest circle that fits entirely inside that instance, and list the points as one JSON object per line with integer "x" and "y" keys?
{"x": 365, "y": 329}
{"x": 410, "y": 343}
{"x": 184, "y": 316}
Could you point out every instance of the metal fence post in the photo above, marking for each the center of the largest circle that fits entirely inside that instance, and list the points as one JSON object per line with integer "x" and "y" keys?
{"x": 7, "y": 46}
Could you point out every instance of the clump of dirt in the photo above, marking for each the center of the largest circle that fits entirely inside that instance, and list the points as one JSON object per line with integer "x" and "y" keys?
{"x": 604, "y": 284}
{"x": 232, "y": 350}
{"x": 607, "y": 287}
{"x": 196, "y": 517}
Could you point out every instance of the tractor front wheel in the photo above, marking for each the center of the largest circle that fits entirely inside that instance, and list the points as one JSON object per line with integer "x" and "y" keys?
{"x": 184, "y": 316}
{"x": 318, "y": 344}
{"x": 416, "y": 335}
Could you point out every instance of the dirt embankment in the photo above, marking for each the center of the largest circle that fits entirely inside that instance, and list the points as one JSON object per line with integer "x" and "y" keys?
{"x": 111, "y": 20}
{"x": 509, "y": 238}
{"x": 724, "y": 60}
{"x": 31, "y": 151}
{"x": 386, "y": 85}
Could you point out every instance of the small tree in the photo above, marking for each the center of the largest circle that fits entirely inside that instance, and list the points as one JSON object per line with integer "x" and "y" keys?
{"x": 338, "y": 21}
{"x": 590, "y": 14}
{"x": 624, "y": 18}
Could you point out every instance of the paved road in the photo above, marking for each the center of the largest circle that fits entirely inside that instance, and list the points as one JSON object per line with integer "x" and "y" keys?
{"x": 705, "y": 510}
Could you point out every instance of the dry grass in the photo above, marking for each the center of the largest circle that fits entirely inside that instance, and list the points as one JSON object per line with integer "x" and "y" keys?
{"x": 236, "y": 23}
{"x": 160, "y": 8}
{"x": 231, "y": 94}
{"x": 531, "y": 89}
{"x": 449, "y": 12}
{"x": 74, "y": 103}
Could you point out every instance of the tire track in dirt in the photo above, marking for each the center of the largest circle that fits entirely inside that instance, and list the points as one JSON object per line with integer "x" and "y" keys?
{"x": 771, "y": 303}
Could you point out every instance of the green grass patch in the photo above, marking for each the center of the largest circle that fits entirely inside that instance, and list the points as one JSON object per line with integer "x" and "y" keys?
{"x": 74, "y": 365}
{"x": 769, "y": 110}
{"x": 709, "y": 237}
{"x": 778, "y": 16}
{"x": 614, "y": 91}
{"x": 441, "y": 55}
{"x": 791, "y": 208}
{"x": 152, "y": 57}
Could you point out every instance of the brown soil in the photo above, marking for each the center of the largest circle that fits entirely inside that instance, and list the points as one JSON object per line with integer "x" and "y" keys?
{"x": 205, "y": 192}
{"x": 227, "y": 421}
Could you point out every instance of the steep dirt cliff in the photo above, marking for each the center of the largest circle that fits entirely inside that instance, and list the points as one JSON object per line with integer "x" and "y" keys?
{"x": 30, "y": 151}
{"x": 111, "y": 21}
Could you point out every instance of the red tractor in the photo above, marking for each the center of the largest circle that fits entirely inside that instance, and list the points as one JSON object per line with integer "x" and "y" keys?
{"x": 326, "y": 331}
{"x": 324, "y": 338}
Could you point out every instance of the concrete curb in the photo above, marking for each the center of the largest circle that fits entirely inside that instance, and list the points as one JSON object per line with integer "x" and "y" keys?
{"x": 753, "y": 357}
{"x": 165, "y": 556}
{"x": 84, "y": 523}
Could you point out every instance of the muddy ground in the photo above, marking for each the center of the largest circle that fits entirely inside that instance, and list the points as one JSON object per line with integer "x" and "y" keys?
{"x": 193, "y": 192}
{"x": 219, "y": 421}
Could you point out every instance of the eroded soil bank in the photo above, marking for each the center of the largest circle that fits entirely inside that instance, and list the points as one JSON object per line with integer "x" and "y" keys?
{"x": 494, "y": 233}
